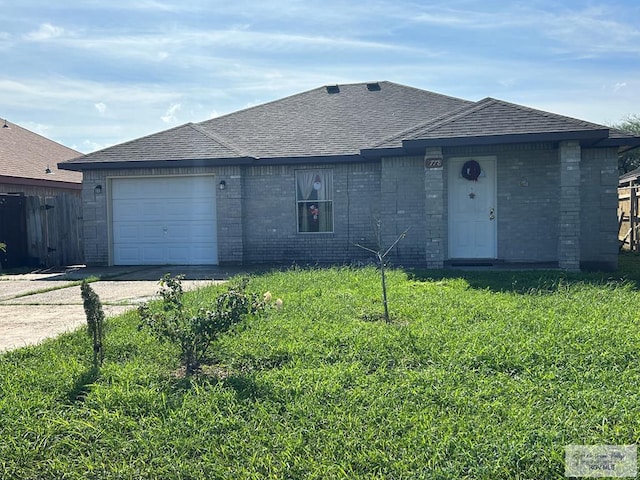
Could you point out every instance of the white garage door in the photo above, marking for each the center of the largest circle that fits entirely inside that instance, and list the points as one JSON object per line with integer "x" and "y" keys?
{"x": 164, "y": 221}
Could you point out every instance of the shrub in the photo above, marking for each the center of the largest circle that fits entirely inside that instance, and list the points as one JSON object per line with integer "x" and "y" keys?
{"x": 95, "y": 321}
{"x": 194, "y": 332}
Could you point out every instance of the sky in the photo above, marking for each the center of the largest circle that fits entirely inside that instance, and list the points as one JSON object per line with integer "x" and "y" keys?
{"x": 95, "y": 73}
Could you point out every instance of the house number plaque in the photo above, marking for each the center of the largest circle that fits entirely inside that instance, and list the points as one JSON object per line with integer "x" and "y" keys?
{"x": 432, "y": 162}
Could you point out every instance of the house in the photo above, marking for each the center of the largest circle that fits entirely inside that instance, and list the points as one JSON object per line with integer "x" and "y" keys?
{"x": 40, "y": 205}
{"x": 629, "y": 179}
{"x": 29, "y": 164}
{"x": 305, "y": 178}
{"x": 629, "y": 210}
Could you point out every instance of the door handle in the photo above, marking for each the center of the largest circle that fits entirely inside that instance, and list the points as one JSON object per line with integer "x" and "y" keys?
{"x": 492, "y": 214}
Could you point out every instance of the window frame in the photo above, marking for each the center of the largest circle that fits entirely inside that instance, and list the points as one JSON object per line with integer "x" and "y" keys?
{"x": 328, "y": 174}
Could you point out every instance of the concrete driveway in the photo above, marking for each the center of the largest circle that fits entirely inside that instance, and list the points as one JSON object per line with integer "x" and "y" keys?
{"x": 39, "y": 305}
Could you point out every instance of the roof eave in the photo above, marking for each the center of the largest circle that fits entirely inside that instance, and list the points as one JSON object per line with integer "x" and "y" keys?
{"x": 215, "y": 162}
{"x": 586, "y": 137}
{"x": 377, "y": 153}
{"x": 629, "y": 142}
{"x": 134, "y": 164}
{"x": 38, "y": 182}
{"x": 314, "y": 159}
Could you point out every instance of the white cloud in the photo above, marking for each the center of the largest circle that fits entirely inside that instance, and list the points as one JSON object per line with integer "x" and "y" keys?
{"x": 170, "y": 115}
{"x": 197, "y": 48}
{"x": 38, "y": 128}
{"x": 143, "y": 5}
{"x": 592, "y": 32}
{"x": 58, "y": 90}
{"x": 89, "y": 146}
{"x": 619, "y": 86}
{"x": 586, "y": 32}
{"x": 45, "y": 32}
{"x": 155, "y": 65}
{"x": 101, "y": 107}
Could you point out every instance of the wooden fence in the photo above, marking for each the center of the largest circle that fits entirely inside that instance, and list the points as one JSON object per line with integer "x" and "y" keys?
{"x": 628, "y": 219}
{"x": 53, "y": 233}
{"x": 54, "y": 229}
{"x": 13, "y": 231}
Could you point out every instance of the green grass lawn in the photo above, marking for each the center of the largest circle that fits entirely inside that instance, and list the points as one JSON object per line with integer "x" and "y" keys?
{"x": 484, "y": 375}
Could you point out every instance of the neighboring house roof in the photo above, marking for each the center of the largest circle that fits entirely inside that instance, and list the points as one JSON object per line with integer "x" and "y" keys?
{"x": 629, "y": 177}
{"x": 26, "y": 158}
{"x": 343, "y": 121}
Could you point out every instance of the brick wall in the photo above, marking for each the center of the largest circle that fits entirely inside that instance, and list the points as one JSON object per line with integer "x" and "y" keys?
{"x": 528, "y": 199}
{"x": 257, "y": 219}
{"x": 270, "y": 219}
{"x": 402, "y": 207}
{"x": 435, "y": 202}
{"x": 94, "y": 214}
{"x": 599, "y": 201}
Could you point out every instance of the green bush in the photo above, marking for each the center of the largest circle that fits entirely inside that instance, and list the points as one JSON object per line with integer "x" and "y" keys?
{"x": 194, "y": 332}
{"x": 95, "y": 321}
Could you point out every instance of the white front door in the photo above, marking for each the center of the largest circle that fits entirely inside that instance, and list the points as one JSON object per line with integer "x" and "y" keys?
{"x": 164, "y": 220}
{"x": 472, "y": 208}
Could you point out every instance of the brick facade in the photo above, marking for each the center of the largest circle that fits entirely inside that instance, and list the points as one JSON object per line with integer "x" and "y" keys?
{"x": 435, "y": 195}
{"x": 547, "y": 197}
{"x": 598, "y": 209}
{"x": 527, "y": 200}
{"x": 569, "y": 228}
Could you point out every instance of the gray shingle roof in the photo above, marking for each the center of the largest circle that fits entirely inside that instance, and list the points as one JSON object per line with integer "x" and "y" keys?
{"x": 341, "y": 121}
{"x": 492, "y": 117}
{"x": 318, "y": 123}
{"x": 186, "y": 142}
{"x": 309, "y": 124}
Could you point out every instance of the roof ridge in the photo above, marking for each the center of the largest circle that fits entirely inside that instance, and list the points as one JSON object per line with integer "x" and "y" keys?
{"x": 13, "y": 124}
{"x": 217, "y": 138}
{"x": 480, "y": 105}
{"x": 260, "y": 105}
{"x": 422, "y": 90}
{"x": 177, "y": 127}
{"x": 322, "y": 87}
{"x": 461, "y": 113}
{"x": 429, "y": 123}
{"x": 545, "y": 113}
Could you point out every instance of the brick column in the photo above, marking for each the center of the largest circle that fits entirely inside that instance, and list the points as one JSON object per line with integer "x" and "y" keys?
{"x": 569, "y": 228}
{"x": 434, "y": 210}
{"x": 229, "y": 217}
{"x": 94, "y": 214}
